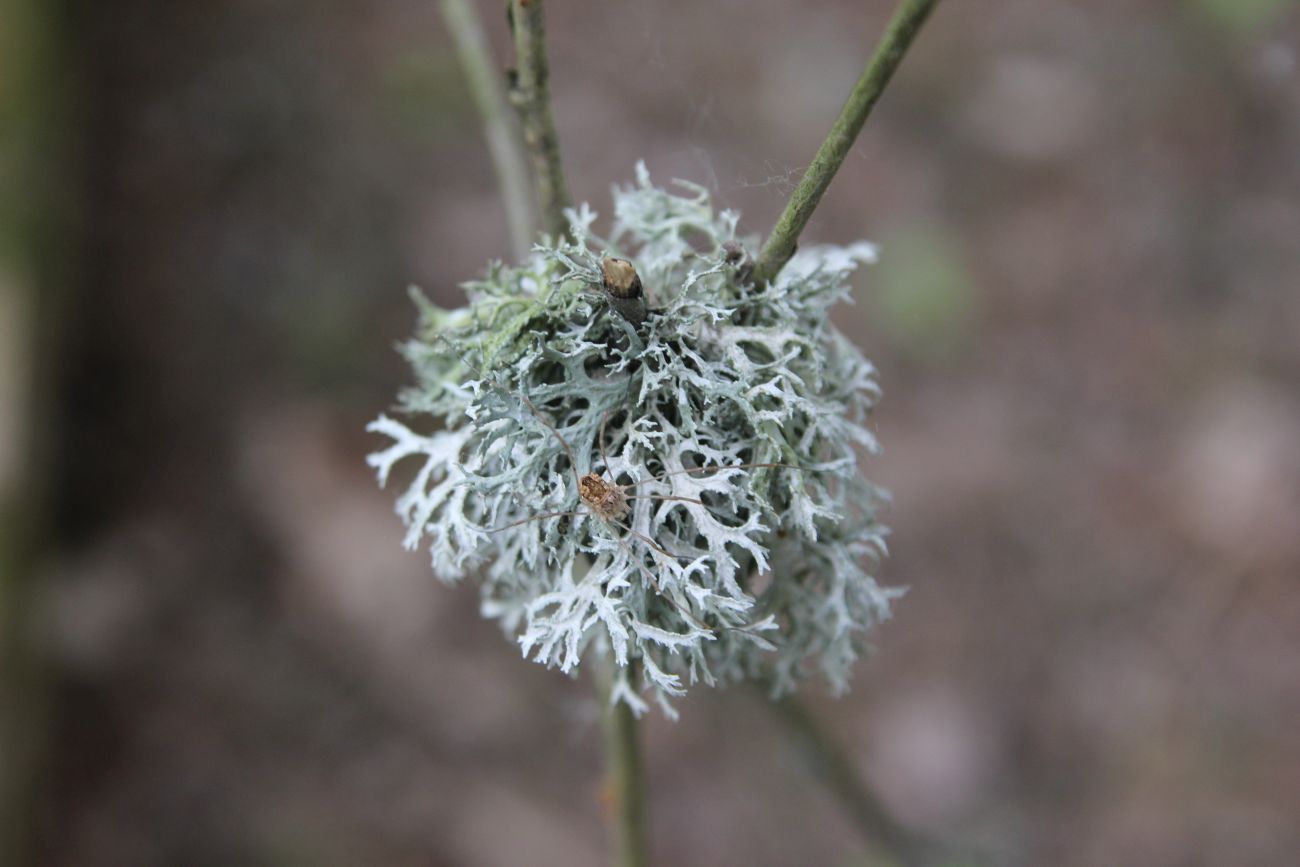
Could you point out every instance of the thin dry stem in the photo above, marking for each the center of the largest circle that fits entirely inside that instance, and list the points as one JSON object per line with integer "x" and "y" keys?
{"x": 530, "y": 92}
{"x": 624, "y": 777}
{"x": 904, "y": 26}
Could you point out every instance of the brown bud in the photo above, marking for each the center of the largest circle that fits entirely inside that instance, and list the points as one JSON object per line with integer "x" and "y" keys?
{"x": 619, "y": 278}
{"x": 622, "y": 287}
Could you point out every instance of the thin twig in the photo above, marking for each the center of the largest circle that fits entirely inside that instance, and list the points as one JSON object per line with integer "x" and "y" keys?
{"x": 829, "y": 762}
{"x": 907, "y": 21}
{"x": 624, "y": 779}
{"x": 490, "y": 99}
{"x": 530, "y": 91}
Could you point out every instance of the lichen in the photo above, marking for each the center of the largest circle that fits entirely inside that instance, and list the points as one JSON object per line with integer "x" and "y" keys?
{"x": 721, "y": 571}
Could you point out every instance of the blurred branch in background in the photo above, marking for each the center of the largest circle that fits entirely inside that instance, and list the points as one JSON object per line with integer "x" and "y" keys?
{"x": 490, "y": 100}
{"x": 530, "y": 91}
{"x": 34, "y": 255}
{"x": 834, "y": 768}
{"x": 903, "y": 27}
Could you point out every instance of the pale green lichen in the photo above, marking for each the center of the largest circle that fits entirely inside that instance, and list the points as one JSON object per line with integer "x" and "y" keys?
{"x": 746, "y": 573}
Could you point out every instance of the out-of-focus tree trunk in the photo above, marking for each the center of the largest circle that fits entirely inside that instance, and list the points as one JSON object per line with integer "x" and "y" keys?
{"x": 35, "y": 258}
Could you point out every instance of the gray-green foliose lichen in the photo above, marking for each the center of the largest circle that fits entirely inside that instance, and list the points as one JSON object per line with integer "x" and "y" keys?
{"x": 714, "y": 575}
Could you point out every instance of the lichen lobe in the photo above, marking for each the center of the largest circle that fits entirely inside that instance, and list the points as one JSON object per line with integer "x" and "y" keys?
{"x": 671, "y": 555}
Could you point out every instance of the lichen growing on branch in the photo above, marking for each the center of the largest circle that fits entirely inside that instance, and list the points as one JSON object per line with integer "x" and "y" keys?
{"x": 717, "y": 570}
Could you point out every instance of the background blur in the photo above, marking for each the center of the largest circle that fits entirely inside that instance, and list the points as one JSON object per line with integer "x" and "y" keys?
{"x": 1087, "y": 323}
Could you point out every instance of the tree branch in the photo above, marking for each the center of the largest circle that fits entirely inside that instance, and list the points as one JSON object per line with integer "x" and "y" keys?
{"x": 530, "y": 91}
{"x": 904, "y": 26}
{"x": 829, "y": 762}
{"x": 624, "y": 779}
{"x": 490, "y": 99}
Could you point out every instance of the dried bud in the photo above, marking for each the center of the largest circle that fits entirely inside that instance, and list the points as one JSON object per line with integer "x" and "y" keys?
{"x": 622, "y": 286}
{"x": 620, "y": 278}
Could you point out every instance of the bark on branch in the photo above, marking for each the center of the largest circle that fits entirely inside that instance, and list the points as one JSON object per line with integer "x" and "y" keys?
{"x": 530, "y": 92}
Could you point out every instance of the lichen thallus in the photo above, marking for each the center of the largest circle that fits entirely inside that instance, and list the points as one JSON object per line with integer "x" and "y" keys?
{"x": 609, "y": 502}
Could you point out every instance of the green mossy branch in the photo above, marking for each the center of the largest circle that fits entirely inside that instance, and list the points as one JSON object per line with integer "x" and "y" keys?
{"x": 624, "y": 778}
{"x": 904, "y": 26}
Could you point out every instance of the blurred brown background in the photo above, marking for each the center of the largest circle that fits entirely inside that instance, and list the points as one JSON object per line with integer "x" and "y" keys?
{"x": 1088, "y": 328}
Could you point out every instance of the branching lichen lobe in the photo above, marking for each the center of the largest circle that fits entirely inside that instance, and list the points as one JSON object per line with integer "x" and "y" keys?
{"x": 536, "y": 383}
